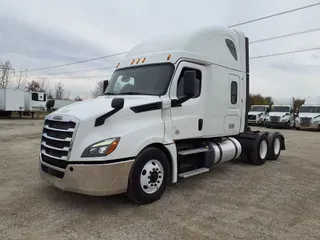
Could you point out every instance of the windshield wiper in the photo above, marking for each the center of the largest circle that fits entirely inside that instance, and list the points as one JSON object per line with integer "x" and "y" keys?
{"x": 130, "y": 93}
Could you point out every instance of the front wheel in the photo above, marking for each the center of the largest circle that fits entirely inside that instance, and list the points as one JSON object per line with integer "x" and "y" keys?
{"x": 148, "y": 176}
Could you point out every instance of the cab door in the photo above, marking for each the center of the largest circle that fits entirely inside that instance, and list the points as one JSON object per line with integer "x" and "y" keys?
{"x": 188, "y": 117}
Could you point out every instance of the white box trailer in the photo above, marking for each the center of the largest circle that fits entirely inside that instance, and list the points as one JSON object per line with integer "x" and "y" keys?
{"x": 35, "y": 102}
{"x": 309, "y": 114}
{"x": 182, "y": 108}
{"x": 11, "y": 100}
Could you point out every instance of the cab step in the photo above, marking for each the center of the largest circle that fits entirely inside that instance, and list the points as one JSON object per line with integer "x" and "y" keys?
{"x": 193, "y": 151}
{"x": 193, "y": 172}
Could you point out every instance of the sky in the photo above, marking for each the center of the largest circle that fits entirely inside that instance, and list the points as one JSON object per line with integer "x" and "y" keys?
{"x": 37, "y": 33}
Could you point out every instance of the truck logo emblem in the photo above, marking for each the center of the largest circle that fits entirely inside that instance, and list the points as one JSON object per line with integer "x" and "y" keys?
{"x": 57, "y": 117}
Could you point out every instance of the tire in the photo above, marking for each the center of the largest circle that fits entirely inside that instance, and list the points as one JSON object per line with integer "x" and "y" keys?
{"x": 151, "y": 163}
{"x": 258, "y": 155}
{"x": 274, "y": 146}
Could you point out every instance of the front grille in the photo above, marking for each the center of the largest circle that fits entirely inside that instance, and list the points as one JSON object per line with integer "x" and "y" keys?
{"x": 305, "y": 121}
{"x": 251, "y": 117}
{"x": 274, "y": 119}
{"x": 56, "y": 142}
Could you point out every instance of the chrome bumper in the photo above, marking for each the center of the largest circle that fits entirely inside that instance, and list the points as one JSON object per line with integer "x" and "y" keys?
{"x": 90, "y": 179}
{"x": 311, "y": 126}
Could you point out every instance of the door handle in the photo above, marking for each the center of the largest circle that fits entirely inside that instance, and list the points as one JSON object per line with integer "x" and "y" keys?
{"x": 200, "y": 124}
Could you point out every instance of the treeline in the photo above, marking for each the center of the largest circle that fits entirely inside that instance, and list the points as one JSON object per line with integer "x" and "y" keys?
{"x": 258, "y": 99}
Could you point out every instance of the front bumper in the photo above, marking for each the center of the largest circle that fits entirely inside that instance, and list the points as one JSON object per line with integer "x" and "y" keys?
{"x": 311, "y": 126}
{"x": 277, "y": 124}
{"x": 90, "y": 179}
{"x": 255, "y": 122}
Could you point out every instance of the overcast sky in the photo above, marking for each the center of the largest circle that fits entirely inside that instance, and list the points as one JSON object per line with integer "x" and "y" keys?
{"x": 37, "y": 33}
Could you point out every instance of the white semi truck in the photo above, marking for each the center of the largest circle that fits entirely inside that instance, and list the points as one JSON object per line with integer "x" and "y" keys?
{"x": 281, "y": 113}
{"x": 175, "y": 106}
{"x": 309, "y": 114}
{"x": 258, "y": 114}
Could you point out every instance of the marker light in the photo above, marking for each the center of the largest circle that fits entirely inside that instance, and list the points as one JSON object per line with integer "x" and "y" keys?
{"x": 138, "y": 61}
{"x": 132, "y": 62}
{"x": 169, "y": 56}
{"x": 144, "y": 59}
{"x": 118, "y": 65}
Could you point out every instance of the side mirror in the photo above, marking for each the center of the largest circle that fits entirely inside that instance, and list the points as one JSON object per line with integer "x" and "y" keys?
{"x": 105, "y": 85}
{"x": 189, "y": 87}
{"x": 117, "y": 103}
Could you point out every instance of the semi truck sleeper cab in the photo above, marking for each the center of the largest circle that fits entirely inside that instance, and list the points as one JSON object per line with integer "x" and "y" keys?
{"x": 175, "y": 106}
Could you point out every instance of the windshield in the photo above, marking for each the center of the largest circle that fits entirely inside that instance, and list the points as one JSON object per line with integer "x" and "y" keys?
{"x": 279, "y": 109}
{"x": 258, "y": 108}
{"x": 142, "y": 80}
{"x": 310, "y": 109}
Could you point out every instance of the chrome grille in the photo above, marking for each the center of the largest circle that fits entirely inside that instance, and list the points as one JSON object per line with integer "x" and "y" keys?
{"x": 305, "y": 121}
{"x": 56, "y": 141}
{"x": 274, "y": 119}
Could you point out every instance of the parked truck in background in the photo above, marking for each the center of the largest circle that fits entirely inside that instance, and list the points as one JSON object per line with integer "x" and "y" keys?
{"x": 35, "y": 102}
{"x": 309, "y": 114}
{"x": 175, "y": 106}
{"x": 281, "y": 113}
{"x": 55, "y": 104}
{"x": 11, "y": 100}
{"x": 258, "y": 114}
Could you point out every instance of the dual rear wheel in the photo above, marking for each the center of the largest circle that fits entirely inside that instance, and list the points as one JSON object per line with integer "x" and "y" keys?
{"x": 264, "y": 147}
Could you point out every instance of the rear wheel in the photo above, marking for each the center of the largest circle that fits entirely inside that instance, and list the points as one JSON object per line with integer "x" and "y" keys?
{"x": 258, "y": 155}
{"x": 274, "y": 146}
{"x": 148, "y": 177}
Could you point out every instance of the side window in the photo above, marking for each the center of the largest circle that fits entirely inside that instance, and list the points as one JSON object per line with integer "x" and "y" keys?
{"x": 34, "y": 96}
{"x": 181, "y": 83}
{"x": 232, "y": 48}
{"x": 234, "y": 92}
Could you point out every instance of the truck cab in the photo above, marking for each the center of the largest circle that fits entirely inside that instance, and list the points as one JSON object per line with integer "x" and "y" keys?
{"x": 281, "y": 113}
{"x": 175, "y": 106}
{"x": 258, "y": 114}
{"x": 309, "y": 114}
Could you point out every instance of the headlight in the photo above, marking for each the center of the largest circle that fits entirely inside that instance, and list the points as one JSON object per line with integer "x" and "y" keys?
{"x": 102, "y": 148}
{"x": 285, "y": 120}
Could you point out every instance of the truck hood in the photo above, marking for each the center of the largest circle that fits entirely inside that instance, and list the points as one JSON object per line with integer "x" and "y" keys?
{"x": 310, "y": 115}
{"x": 101, "y": 105}
{"x": 313, "y": 116}
{"x": 279, "y": 114}
{"x": 254, "y": 112}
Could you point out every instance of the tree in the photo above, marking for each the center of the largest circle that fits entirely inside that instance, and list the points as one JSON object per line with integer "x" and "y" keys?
{"x": 5, "y": 71}
{"x": 78, "y": 98}
{"x": 34, "y": 86}
{"x": 59, "y": 91}
{"x": 98, "y": 91}
{"x": 21, "y": 79}
{"x": 297, "y": 103}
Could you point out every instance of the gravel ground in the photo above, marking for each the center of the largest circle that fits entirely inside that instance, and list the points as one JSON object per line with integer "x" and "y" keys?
{"x": 279, "y": 200}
